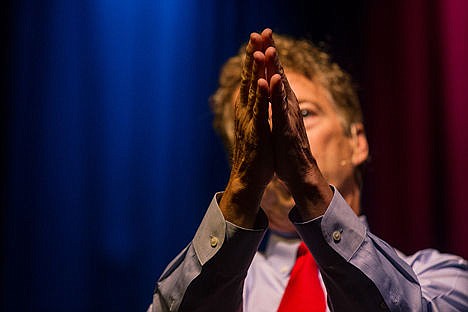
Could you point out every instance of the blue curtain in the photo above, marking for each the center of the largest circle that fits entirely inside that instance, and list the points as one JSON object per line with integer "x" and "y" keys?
{"x": 111, "y": 159}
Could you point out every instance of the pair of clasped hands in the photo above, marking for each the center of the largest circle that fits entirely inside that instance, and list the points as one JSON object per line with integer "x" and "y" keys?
{"x": 264, "y": 145}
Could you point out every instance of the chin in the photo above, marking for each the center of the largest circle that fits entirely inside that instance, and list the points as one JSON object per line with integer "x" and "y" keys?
{"x": 286, "y": 228}
{"x": 277, "y": 202}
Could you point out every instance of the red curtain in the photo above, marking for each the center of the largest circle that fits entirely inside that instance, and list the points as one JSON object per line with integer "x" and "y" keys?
{"x": 417, "y": 115}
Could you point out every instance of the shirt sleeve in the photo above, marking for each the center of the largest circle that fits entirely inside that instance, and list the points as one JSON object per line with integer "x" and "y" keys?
{"x": 363, "y": 273}
{"x": 208, "y": 275}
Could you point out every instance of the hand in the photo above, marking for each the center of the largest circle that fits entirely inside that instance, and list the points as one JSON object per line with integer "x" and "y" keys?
{"x": 252, "y": 155}
{"x": 294, "y": 163}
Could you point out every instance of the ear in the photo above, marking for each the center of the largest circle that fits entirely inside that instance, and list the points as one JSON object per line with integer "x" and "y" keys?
{"x": 359, "y": 144}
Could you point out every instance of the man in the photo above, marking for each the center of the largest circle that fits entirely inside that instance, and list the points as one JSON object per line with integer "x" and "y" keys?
{"x": 297, "y": 155}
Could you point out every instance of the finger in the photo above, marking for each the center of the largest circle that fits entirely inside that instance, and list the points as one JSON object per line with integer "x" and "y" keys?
{"x": 260, "y": 109}
{"x": 255, "y": 44}
{"x": 274, "y": 66}
{"x": 278, "y": 102}
{"x": 258, "y": 71}
{"x": 270, "y": 59}
{"x": 267, "y": 37}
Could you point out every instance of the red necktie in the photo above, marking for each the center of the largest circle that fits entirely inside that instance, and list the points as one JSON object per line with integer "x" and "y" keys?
{"x": 304, "y": 291}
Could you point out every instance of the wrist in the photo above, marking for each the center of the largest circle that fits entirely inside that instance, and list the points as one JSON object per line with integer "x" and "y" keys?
{"x": 240, "y": 202}
{"x": 312, "y": 196}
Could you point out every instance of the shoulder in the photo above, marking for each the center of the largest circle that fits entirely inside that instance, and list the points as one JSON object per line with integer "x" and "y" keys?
{"x": 443, "y": 277}
{"x": 431, "y": 259}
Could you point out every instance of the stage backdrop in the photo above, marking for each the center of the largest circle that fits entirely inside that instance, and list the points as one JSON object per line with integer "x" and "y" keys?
{"x": 111, "y": 161}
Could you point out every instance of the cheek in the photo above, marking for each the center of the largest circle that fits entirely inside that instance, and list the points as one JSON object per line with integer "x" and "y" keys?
{"x": 329, "y": 147}
{"x": 319, "y": 140}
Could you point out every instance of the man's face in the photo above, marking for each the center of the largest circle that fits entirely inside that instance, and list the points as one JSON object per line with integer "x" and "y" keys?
{"x": 331, "y": 147}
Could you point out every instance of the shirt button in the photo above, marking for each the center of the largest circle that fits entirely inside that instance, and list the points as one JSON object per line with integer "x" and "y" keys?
{"x": 336, "y": 236}
{"x": 213, "y": 241}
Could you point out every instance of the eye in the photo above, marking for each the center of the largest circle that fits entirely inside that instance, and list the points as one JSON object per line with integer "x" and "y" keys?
{"x": 306, "y": 112}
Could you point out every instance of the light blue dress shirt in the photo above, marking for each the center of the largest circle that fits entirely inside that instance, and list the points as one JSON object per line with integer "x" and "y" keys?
{"x": 221, "y": 270}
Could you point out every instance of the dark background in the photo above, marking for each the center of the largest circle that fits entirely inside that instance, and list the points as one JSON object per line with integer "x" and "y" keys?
{"x": 108, "y": 156}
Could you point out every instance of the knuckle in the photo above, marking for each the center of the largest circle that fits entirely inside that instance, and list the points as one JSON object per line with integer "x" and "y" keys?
{"x": 252, "y": 94}
{"x": 280, "y": 70}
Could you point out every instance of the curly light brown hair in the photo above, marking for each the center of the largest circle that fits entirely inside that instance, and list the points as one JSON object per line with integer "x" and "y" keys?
{"x": 300, "y": 56}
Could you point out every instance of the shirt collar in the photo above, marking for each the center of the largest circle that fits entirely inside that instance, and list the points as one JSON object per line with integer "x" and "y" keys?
{"x": 281, "y": 252}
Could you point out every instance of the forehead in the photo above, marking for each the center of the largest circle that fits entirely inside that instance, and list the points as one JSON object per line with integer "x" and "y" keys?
{"x": 308, "y": 90}
{"x": 315, "y": 92}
